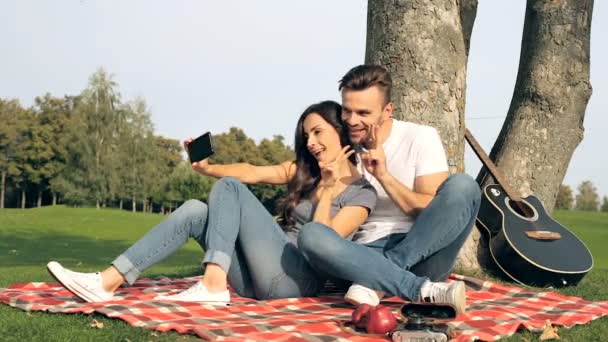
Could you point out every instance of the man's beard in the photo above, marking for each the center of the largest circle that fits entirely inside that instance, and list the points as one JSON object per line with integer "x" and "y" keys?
{"x": 366, "y": 141}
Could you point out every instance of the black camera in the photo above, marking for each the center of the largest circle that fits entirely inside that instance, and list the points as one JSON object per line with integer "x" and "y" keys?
{"x": 425, "y": 322}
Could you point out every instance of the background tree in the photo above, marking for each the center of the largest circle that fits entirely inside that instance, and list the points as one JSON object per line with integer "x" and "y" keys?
{"x": 168, "y": 159}
{"x": 273, "y": 152}
{"x": 564, "y": 198}
{"x": 24, "y": 154}
{"x": 587, "y": 198}
{"x": 10, "y": 116}
{"x": 604, "y": 207}
{"x": 38, "y": 153}
{"x": 99, "y": 111}
{"x": 137, "y": 154}
{"x": 184, "y": 184}
{"x": 236, "y": 147}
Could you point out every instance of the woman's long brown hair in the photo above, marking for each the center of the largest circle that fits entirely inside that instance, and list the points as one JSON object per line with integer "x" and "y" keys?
{"x": 307, "y": 174}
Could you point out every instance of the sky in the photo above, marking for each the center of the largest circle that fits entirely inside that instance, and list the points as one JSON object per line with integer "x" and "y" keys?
{"x": 210, "y": 65}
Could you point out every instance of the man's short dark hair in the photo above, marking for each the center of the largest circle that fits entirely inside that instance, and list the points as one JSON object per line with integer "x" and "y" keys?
{"x": 364, "y": 76}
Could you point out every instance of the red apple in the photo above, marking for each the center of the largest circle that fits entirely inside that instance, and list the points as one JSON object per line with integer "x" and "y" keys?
{"x": 360, "y": 314}
{"x": 380, "y": 320}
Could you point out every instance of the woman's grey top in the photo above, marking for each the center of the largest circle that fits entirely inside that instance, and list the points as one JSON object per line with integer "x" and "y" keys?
{"x": 359, "y": 193}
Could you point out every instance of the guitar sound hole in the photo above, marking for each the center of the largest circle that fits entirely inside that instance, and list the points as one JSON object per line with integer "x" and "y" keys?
{"x": 521, "y": 209}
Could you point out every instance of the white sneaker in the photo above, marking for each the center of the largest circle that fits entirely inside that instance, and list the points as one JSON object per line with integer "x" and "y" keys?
{"x": 359, "y": 294}
{"x": 88, "y": 286}
{"x": 448, "y": 293}
{"x": 199, "y": 293}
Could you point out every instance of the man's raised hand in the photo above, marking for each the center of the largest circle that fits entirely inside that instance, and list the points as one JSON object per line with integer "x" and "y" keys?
{"x": 374, "y": 160}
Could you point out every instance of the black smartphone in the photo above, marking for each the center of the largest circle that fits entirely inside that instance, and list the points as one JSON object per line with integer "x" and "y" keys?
{"x": 200, "y": 148}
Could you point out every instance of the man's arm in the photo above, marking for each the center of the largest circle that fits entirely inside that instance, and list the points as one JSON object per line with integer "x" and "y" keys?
{"x": 412, "y": 201}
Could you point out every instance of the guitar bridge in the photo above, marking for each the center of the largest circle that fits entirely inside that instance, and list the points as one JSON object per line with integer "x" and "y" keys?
{"x": 543, "y": 235}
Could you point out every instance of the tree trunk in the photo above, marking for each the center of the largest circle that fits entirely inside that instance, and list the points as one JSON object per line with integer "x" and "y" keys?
{"x": 39, "y": 201}
{"x": 425, "y": 47}
{"x": 23, "y": 199}
{"x": 545, "y": 120}
{"x": 120, "y": 204}
{"x": 54, "y": 198}
{"x": 468, "y": 12}
{"x": 3, "y": 190}
{"x": 133, "y": 205}
{"x": 422, "y": 44}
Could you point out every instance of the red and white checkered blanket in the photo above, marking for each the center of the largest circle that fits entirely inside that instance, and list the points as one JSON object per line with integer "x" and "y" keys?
{"x": 494, "y": 311}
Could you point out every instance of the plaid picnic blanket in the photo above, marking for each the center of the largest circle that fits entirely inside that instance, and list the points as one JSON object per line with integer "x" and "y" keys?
{"x": 494, "y": 311}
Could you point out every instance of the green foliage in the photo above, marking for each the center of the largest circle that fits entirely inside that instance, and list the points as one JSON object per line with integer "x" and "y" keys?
{"x": 11, "y": 136}
{"x": 604, "y": 207}
{"x": 184, "y": 184}
{"x": 93, "y": 149}
{"x": 564, "y": 198}
{"x": 587, "y": 198}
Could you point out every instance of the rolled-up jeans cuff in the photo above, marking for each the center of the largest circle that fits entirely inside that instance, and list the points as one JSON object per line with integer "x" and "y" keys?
{"x": 218, "y": 257}
{"x": 126, "y": 268}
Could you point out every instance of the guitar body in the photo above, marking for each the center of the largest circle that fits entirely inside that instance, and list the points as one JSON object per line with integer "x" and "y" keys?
{"x": 531, "y": 261}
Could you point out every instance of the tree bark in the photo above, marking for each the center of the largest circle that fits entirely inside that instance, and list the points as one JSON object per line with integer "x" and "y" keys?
{"x": 422, "y": 44}
{"x": 545, "y": 120}
{"x": 133, "y": 205}
{"x": 468, "y": 12}
{"x": 54, "y": 198}
{"x": 425, "y": 47}
{"x": 23, "y": 199}
{"x": 3, "y": 190}
{"x": 39, "y": 201}
{"x": 120, "y": 204}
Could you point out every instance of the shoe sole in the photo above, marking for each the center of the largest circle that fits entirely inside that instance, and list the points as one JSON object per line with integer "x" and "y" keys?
{"x": 461, "y": 297}
{"x": 57, "y": 271}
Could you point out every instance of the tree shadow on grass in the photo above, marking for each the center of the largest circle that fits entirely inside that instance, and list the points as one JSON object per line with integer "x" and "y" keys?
{"x": 29, "y": 249}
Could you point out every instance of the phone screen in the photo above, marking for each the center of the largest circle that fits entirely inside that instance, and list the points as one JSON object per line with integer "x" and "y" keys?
{"x": 200, "y": 148}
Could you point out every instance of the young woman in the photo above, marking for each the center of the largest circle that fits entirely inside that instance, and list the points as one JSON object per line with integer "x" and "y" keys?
{"x": 244, "y": 245}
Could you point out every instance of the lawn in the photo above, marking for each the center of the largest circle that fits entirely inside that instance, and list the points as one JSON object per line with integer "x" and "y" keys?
{"x": 88, "y": 239}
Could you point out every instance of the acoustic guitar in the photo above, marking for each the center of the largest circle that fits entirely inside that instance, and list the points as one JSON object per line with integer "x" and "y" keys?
{"x": 524, "y": 241}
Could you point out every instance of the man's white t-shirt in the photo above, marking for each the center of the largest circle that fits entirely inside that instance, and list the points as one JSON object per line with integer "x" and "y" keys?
{"x": 411, "y": 150}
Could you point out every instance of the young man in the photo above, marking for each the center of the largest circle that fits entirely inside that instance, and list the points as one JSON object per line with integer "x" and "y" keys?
{"x": 410, "y": 242}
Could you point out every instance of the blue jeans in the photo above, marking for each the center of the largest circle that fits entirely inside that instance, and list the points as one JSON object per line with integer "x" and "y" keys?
{"x": 238, "y": 234}
{"x": 398, "y": 264}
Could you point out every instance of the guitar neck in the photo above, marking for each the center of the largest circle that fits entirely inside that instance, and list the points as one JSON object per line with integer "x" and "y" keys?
{"x": 481, "y": 154}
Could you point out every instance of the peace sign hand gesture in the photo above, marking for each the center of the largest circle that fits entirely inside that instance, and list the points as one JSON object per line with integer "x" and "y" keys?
{"x": 374, "y": 160}
{"x": 330, "y": 170}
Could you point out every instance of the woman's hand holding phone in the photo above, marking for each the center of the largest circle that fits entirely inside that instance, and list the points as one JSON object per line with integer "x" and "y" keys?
{"x": 199, "y": 150}
{"x": 201, "y": 167}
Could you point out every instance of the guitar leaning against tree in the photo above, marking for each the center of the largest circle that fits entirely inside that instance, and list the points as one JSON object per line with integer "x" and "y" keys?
{"x": 524, "y": 241}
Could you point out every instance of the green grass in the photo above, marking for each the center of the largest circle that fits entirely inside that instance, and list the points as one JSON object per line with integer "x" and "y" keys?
{"x": 88, "y": 239}
{"x": 83, "y": 239}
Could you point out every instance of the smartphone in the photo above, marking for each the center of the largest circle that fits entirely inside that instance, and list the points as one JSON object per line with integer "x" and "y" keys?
{"x": 200, "y": 148}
